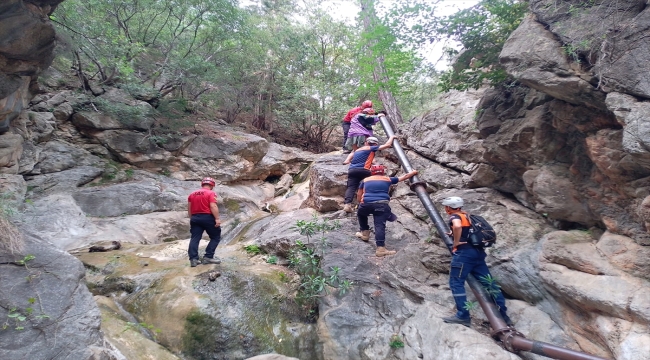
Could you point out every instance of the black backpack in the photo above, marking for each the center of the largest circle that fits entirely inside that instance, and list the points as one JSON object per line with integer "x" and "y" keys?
{"x": 481, "y": 232}
{"x": 366, "y": 121}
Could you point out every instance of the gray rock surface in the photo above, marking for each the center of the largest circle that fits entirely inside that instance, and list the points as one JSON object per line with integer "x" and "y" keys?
{"x": 50, "y": 283}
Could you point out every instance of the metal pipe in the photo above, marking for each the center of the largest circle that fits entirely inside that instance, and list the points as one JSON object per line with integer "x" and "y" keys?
{"x": 511, "y": 339}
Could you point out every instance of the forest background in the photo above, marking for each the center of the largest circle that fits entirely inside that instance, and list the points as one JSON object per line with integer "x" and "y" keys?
{"x": 286, "y": 69}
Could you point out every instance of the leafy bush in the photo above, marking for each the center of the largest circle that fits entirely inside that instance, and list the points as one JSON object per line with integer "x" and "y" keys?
{"x": 305, "y": 259}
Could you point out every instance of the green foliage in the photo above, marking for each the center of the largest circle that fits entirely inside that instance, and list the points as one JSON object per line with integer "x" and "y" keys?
{"x": 305, "y": 259}
{"x": 283, "y": 277}
{"x": 126, "y": 114}
{"x": 490, "y": 284}
{"x": 25, "y": 260}
{"x": 253, "y": 249}
{"x": 272, "y": 259}
{"x": 396, "y": 342}
{"x": 481, "y": 31}
{"x": 470, "y": 305}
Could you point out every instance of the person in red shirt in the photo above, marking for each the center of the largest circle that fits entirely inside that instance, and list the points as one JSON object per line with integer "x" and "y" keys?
{"x": 204, "y": 216}
{"x": 348, "y": 118}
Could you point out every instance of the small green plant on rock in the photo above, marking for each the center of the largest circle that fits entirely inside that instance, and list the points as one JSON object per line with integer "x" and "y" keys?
{"x": 305, "y": 258}
{"x": 470, "y": 305}
{"x": 490, "y": 284}
{"x": 253, "y": 249}
{"x": 272, "y": 259}
{"x": 396, "y": 342}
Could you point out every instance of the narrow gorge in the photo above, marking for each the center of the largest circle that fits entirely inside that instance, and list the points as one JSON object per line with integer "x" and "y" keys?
{"x": 558, "y": 161}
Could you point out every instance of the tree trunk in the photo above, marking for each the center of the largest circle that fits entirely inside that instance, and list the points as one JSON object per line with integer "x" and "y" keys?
{"x": 379, "y": 72}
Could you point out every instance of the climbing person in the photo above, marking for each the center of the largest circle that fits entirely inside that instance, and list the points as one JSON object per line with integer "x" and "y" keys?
{"x": 348, "y": 118}
{"x": 360, "y": 162}
{"x": 373, "y": 197}
{"x": 204, "y": 216}
{"x": 467, "y": 259}
{"x": 361, "y": 128}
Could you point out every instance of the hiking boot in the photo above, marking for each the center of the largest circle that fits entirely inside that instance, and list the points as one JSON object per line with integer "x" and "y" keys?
{"x": 348, "y": 208}
{"x": 207, "y": 260}
{"x": 508, "y": 321}
{"x": 194, "y": 262}
{"x": 363, "y": 235}
{"x": 381, "y": 251}
{"x": 456, "y": 320}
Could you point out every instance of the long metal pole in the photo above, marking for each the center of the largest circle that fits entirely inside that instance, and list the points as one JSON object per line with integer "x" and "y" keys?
{"x": 511, "y": 339}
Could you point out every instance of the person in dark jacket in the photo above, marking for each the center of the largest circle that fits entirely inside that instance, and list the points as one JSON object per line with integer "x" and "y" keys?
{"x": 373, "y": 196}
{"x": 360, "y": 162}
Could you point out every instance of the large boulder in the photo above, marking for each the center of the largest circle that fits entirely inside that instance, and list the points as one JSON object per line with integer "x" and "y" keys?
{"x": 327, "y": 183}
{"x": 447, "y": 134}
{"x": 56, "y": 156}
{"x": 49, "y": 313}
{"x": 535, "y": 57}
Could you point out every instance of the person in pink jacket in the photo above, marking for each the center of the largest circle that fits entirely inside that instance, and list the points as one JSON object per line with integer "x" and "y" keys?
{"x": 361, "y": 128}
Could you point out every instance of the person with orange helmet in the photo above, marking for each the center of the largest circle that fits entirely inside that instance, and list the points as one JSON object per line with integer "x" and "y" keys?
{"x": 374, "y": 198}
{"x": 348, "y": 118}
{"x": 204, "y": 216}
{"x": 360, "y": 162}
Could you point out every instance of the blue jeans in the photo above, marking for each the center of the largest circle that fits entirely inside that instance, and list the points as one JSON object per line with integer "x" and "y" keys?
{"x": 471, "y": 260}
{"x": 198, "y": 224}
{"x": 380, "y": 213}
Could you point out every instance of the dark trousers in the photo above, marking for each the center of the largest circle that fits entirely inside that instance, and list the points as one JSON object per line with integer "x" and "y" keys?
{"x": 471, "y": 260}
{"x": 198, "y": 224}
{"x": 355, "y": 176}
{"x": 380, "y": 213}
{"x": 346, "y": 129}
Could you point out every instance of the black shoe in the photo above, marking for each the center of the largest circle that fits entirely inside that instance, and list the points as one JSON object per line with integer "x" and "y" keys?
{"x": 508, "y": 321}
{"x": 207, "y": 260}
{"x": 455, "y": 320}
{"x": 194, "y": 262}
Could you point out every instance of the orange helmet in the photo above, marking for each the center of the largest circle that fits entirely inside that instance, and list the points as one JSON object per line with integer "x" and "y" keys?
{"x": 366, "y": 104}
{"x": 208, "y": 181}
{"x": 377, "y": 170}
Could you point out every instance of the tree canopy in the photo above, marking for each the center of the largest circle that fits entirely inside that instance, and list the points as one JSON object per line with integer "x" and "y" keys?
{"x": 288, "y": 69}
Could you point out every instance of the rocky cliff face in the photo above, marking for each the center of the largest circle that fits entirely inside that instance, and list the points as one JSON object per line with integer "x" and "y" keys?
{"x": 26, "y": 49}
{"x": 567, "y": 140}
{"x": 558, "y": 162}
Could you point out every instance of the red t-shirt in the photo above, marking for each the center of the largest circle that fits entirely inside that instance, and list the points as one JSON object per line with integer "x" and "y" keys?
{"x": 351, "y": 114}
{"x": 200, "y": 201}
